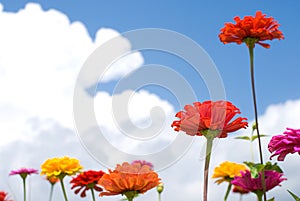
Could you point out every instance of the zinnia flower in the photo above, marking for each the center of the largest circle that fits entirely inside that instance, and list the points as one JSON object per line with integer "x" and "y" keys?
{"x": 246, "y": 182}
{"x": 57, "y": 167}
{"x": 288, "y": 143}
{"x": 85, "y": 181}
{"x": 200, "y": 118}
{"x": 3, "y": 196}
{"x": 226, "y": 171}
{"x": 143, "y": 162}
{"x": 240, "y": 190}
{"x": 61, "y": 167}
{"x": 23, "y": 172}
{"x": 129, "y": 179}
{"x": 251, "y": 30}
{"x": 52, "y": 181}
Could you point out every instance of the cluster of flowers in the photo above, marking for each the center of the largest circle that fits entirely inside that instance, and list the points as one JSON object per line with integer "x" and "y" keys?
{"x": 211, "y": 119}
{"x": 129, "y": 179}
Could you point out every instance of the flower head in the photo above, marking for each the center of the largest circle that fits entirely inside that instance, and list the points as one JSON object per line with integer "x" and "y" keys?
{"x": 288, "y": 143}
{"x": 251, "y": 30}
{"x": 143, "y": 162}
{"x": 60, "y": 167}
{"x": 52, "y": 180}
{"x": 23, "y": 172}
{"x": 85, "y": 181}
{"x": 3, "y": 196}
{"x": 240, "y": 190}
{"x": 226, "y": 171}
{"x": 129, "y": 179}
{"x": 248, "y": 183}
{"x": 202, "y": 118}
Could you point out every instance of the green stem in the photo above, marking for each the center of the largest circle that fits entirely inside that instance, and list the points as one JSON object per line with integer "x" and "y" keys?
{"x": 251, "y": 147}
{"x": 228, "y": 191}
{"x": 251, "y": 48}
{"x": 159, "y": 196}
{"x": 259, "y": 197}
{"x": 93, "y": 194}
{"x": 63, "y": 189}
{"x": 24, "y": 188}
{"x": 241, "y": 197}
{"x": 130, "y": 195}
{"x": 209, "y": 142}
{"x": 51, "y": 192}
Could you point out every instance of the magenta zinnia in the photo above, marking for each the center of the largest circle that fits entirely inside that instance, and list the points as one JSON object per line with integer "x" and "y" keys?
{"x": 216, "y": 116}
{"x": 23, "y": 172}
{"x": 248, "y": 183}
{"x": 288, "y": 143}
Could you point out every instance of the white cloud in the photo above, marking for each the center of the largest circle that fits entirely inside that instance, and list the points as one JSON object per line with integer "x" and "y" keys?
{"x": 41, "y": 54}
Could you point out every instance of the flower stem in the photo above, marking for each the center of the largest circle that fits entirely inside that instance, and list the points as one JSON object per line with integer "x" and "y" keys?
{"x": 251, "y": 52}
{"x": 209, "y": 142}
{"x": 159, "y": 196}
{"x": 93, "y": 194}
{"x": 130, "y": 195}
{"x": 259, "y": 197}
{"x": 63, "y": 189}
{"x": 24, "y": 188}
{"x": 51, "y": 192}
{"x": 228, "y": 191}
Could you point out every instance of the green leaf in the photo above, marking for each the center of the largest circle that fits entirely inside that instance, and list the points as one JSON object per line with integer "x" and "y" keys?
{"x": 294, "y": 196}
{"x": 255, "y": 168}
{"x": 270, "y": 166}
{"x": 243, "y": 138}
{"x": 272, "y": 199}
{"x": 254, "y": 137}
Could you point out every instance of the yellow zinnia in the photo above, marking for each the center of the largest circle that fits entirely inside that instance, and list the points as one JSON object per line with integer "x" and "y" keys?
{"x": 227, "y": 170}
{"x": 60, "y": 167}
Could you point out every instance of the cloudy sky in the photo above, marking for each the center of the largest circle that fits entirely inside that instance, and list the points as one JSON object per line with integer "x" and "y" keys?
{"x": 59, "y": 98}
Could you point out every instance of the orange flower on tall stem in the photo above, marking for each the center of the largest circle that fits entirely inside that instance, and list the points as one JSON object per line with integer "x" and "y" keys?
{"x": 216, "y": 116}
{"x": 210, "y": 119}
{"x": 259, "y": 28}
{"x": 129, "y": 180}
{"x": 252, "y": 30}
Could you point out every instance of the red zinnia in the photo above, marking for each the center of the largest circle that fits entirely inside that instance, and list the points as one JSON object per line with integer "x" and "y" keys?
{"x": 85, "y": 181}
{"x": 3, "y": 196}
{"x": 258, "y": 28}
{"x": 200, "y": 118}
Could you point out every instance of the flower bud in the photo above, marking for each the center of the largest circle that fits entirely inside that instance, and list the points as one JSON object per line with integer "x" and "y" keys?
{"x": 160, "y": 187}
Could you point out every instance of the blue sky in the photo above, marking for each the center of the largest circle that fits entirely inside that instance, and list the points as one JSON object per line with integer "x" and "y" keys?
{"x": 276, "y": 68}
{"x": 50, "y": 47}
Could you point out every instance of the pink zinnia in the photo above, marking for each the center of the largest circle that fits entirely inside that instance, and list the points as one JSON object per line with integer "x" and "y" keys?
{"x": 288, "y": 143}
{"x": 23, "y": 172}
{"x": 246, "y": 182}
{"x": 143, "y": 162}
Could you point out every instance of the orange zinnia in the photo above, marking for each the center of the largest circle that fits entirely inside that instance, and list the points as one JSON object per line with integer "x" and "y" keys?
{"x": 257, "y": 29}
{"x": 129, "y": 179}
{"x": 200, "y": 118}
